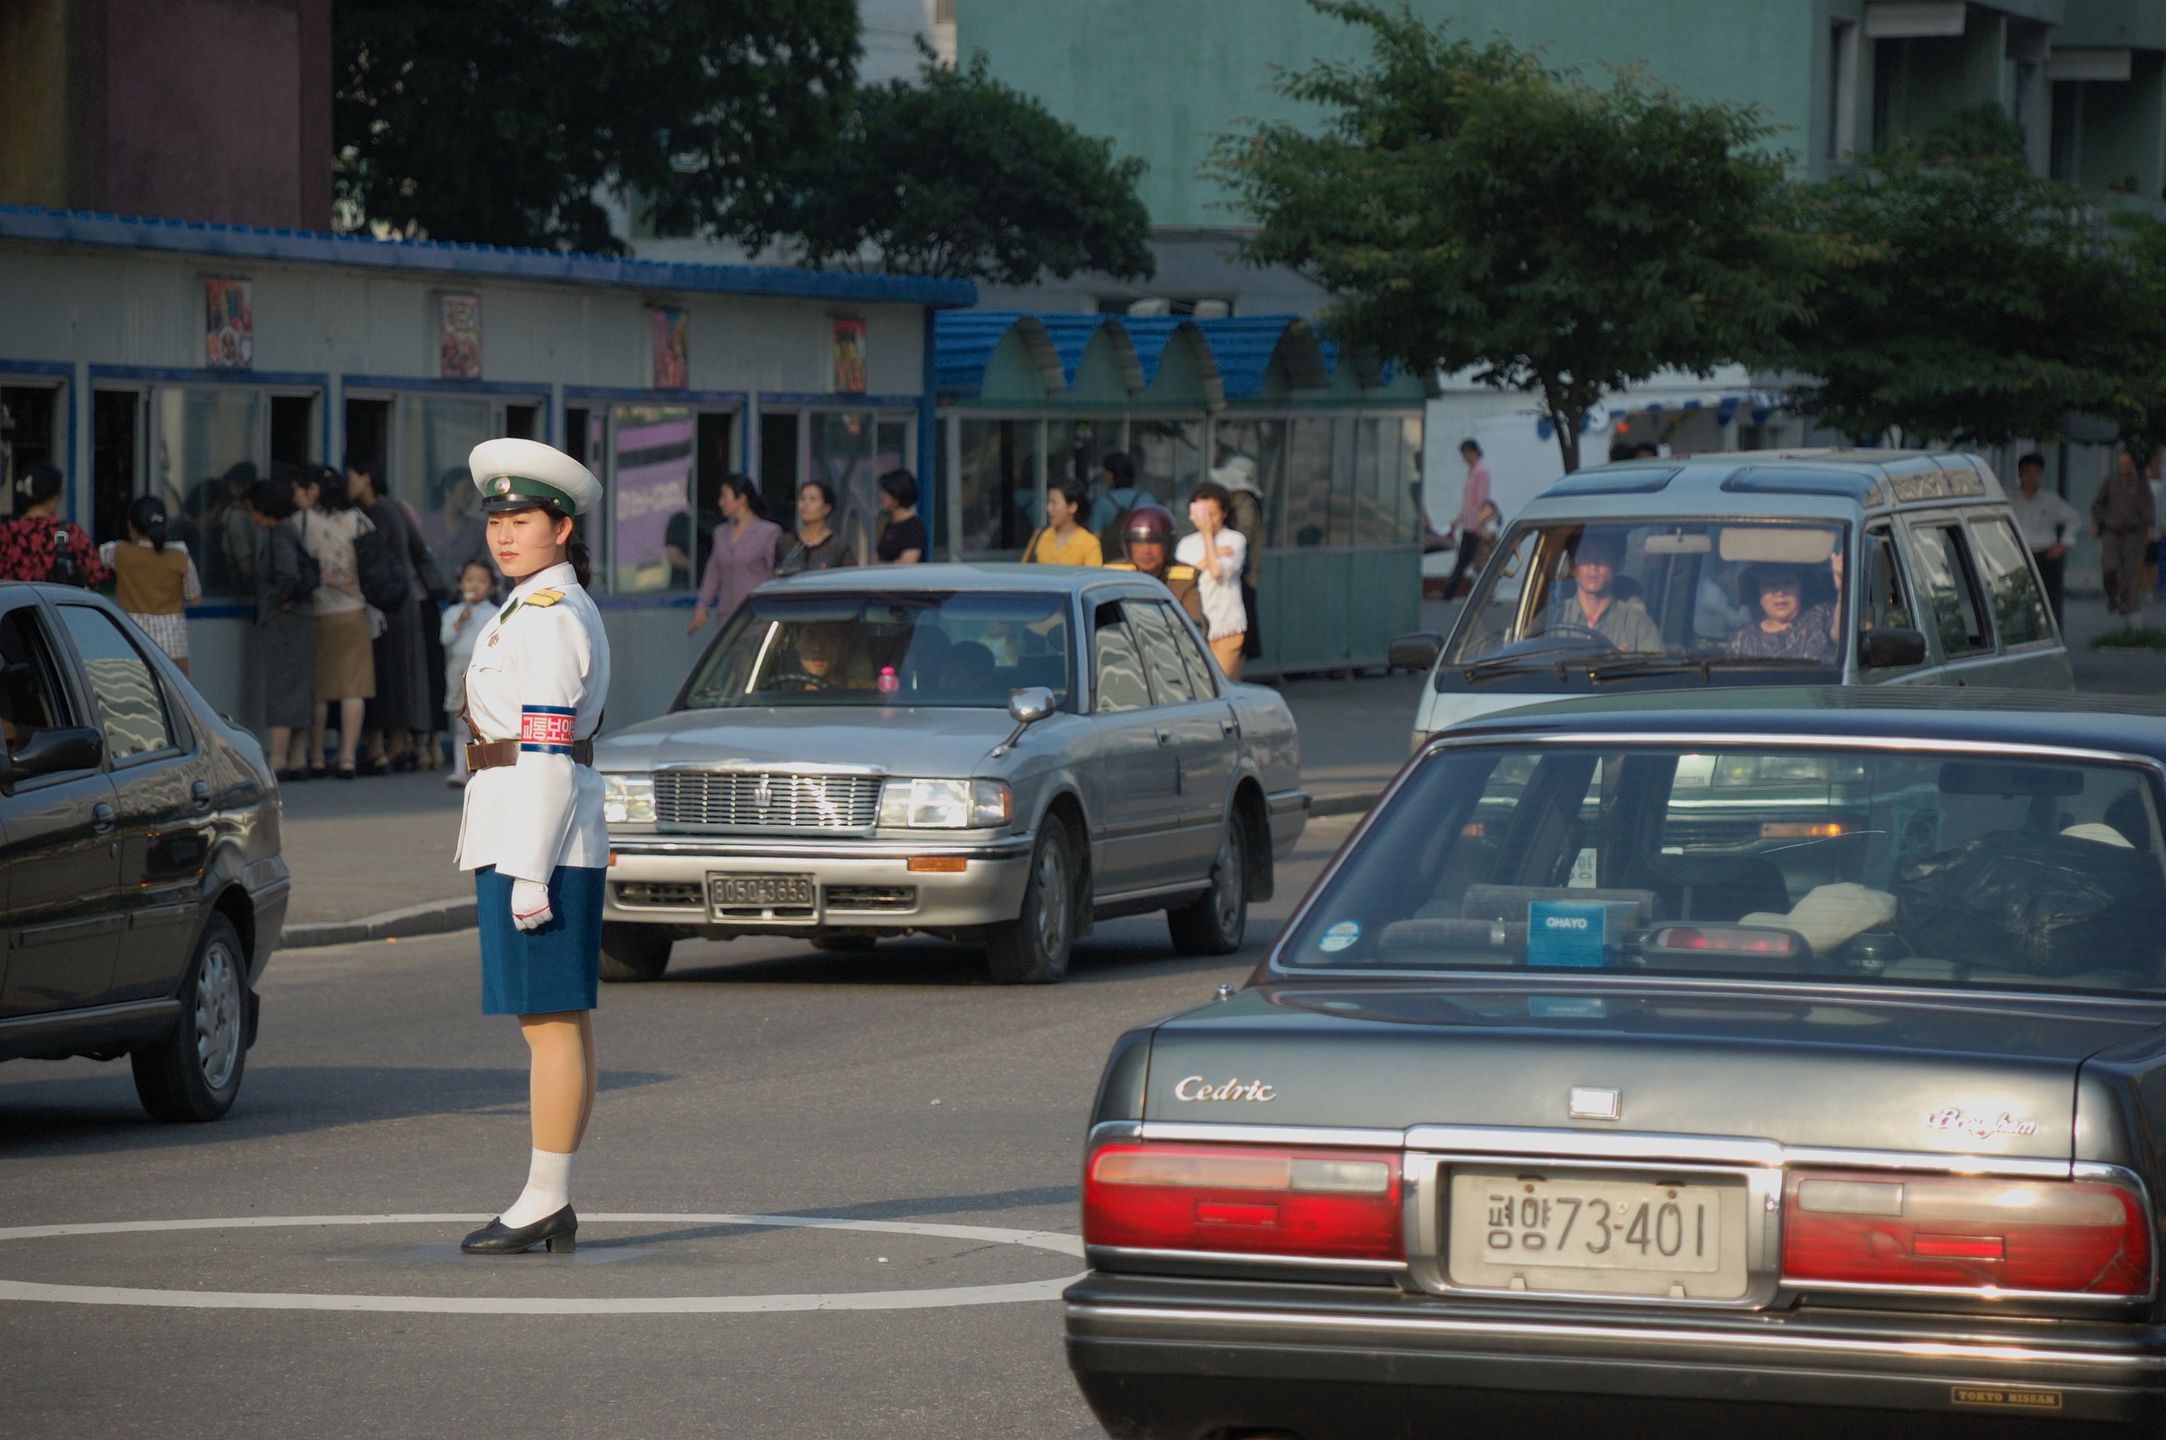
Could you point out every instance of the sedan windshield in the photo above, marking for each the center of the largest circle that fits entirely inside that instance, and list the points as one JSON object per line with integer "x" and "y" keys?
{"x": 1694, "y": 592}
{"x": 1797, "y": 863}
{"x": 952, "y": 650}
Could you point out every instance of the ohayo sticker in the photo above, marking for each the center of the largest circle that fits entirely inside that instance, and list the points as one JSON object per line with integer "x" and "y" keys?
{"x": 1339, "y": 937}
{"x": 1566, "y": 933}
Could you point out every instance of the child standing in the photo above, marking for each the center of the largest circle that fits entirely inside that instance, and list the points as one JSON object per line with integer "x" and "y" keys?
{"x": 155, "y": 582}
{"x": 463, "y": 619}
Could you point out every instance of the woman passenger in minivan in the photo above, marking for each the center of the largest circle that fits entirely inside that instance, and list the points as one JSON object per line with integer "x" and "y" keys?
{"x": 1788, "y": 629}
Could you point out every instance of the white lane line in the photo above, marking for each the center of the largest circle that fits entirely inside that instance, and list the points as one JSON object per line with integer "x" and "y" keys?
{"x": 1032, "y": 1290}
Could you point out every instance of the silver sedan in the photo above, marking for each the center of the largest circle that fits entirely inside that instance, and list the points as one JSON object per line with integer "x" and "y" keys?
{"x": 1002, "y": 753}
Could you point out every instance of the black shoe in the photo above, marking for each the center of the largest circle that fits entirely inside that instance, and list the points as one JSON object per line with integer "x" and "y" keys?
{"x": 405, "y": 761}
{"x": 561, "y": 1230}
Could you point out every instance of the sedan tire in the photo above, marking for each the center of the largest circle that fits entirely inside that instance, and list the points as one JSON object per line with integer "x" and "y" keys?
{"x": 632, "y": 953}
{"x": 1216, "y": 922}
{"x": 1033, "y": 948}
{"x": 193, "y": 1073}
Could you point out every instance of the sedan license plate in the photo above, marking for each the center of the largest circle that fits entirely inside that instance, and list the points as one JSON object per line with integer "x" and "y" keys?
{"x": 761, "y": 892}
{"x": 1598, "y": 1231}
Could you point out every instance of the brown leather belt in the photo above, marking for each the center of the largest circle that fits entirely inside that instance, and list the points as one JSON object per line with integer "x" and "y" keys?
{"x": 493, "y": 754}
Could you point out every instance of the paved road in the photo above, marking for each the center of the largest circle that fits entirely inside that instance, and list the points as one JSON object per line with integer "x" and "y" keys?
{"x": 760, "y": 1078}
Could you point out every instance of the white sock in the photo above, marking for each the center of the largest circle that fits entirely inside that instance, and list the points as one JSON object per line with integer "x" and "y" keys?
{"x": 548, "y": 1190}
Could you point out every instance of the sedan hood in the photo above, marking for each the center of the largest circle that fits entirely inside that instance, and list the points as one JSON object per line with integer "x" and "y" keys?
{"x": 1953, "y": 1076}
{"x": 902, "y": 740}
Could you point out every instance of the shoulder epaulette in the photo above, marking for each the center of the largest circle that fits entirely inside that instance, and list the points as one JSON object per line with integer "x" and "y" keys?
{"x": 545, "y": 598}
{"x": 1180, "y": 572}
{"x": 1119, "y": 565}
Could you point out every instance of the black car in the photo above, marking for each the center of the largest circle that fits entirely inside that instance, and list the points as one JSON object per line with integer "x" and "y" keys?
{"x": 1568, "y": 1099}
{"x": 141, "y": 885}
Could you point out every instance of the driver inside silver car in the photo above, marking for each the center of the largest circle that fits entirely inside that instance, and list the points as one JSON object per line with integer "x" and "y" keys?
{"x": 1594, "y": 602}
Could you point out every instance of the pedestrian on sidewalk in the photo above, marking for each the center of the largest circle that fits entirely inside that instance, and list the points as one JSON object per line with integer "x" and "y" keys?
{"x": 461, "y": 626}
{"x": 742, "y": 557}
{"x": 1467, "y": 526}
{"x": 1218, "y": 555}
{"x": 532, "y": 830}
{"x": 154, "y": 580}
{"x": 2046, "y": 522}
{"x": 398, "y": 721}
{"x": 1238, "y": 474}
{"x": 285, "y": 579}
{"x": 36, "y": 544}
{"x": 2124, "y": 520}
{"x": 817, "y": 545}
{"x": 345, "y": 663}
{"x": 1063, "y": 541}
{"x": 903, "y": 540}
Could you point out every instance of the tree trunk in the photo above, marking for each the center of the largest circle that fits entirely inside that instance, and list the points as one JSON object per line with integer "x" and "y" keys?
{"x": 1567, "y": 420}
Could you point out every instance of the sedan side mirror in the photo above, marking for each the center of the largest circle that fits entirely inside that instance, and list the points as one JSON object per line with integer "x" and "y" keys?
{"x": 1417, "y": 651}
{"x": 1026, "y": 707}
{"x": 1890, "y": 649}
{"x": 52, "y": 752}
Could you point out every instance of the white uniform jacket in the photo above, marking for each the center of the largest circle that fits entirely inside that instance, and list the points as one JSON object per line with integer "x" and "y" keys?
{"x": 540, "y": 675}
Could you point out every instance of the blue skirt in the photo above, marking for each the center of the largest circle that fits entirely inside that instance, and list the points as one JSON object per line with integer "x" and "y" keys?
{"x": 540, "y": 972}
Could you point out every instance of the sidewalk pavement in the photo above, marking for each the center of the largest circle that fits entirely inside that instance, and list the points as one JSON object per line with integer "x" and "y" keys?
{"x": 353, "y": 844}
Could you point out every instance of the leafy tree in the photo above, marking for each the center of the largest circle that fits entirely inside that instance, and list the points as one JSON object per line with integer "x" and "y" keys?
{"x": 959, "y": 175}
{"x": 497, "y": 121}
{"x": 1963, "y": 298}
{"x": 1469, "y": 207}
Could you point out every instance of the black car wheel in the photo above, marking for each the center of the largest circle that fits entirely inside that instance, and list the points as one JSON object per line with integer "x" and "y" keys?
{"x": 1215, "y": 922}
{"x": 635, "y": 952}
{"x": 1033, "y": 948}
{"x": 194, "y": 1071}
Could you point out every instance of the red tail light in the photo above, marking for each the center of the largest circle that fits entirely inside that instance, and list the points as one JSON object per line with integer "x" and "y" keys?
{"x": 2073, "y": 1237}
{"x": 1244, "y": 1199}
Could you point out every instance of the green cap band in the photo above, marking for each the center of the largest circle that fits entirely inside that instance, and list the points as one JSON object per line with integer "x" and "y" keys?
{"x": 509, "y": 487}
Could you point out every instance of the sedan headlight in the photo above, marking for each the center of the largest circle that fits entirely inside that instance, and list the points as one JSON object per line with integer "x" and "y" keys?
{"x": 628, "y": 799}
{"x": 944, "y": 804}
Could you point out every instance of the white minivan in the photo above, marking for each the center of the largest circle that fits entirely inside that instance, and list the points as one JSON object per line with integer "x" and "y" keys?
{"x": 1839, "y": 567}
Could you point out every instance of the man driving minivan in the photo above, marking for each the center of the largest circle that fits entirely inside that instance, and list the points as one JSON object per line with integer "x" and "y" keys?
{"x": 1594, "y": 605}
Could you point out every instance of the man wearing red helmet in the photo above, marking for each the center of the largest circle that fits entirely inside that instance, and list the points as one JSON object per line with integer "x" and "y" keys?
{"x": 1148, "y": 532}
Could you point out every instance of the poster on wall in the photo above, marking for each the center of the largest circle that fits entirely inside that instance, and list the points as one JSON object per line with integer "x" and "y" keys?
{"x": 229, "y": 324}
{"x": 850, "y": 357}
{"x": 672, "y": 347}
{"x": 458, "y": 335}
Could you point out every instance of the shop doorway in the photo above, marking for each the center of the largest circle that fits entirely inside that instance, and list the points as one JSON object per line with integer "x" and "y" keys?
{"x": 293, "y": 429}
{"x": 116, "y": 460}
{"x": 781, "y": 465}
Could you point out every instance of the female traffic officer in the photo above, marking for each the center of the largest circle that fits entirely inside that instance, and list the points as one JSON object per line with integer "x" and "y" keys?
{"x": 532, "y": 831}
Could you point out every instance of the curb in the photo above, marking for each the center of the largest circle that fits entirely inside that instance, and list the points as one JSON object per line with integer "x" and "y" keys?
{"x": 441, "y": 917}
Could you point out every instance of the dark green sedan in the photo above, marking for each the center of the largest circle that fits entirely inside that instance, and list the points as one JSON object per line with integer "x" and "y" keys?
{"x": 1794, "y": 1065}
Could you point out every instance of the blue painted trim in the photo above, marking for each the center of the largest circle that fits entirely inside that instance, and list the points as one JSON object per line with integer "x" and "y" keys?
{"x": 525, "y": 389}
{"x": 64, "y": 371}
{"x": 928, "y": 439}
{"x": 658, "y": 397}
{"x": 829, "y": 400}
{"x": 175, "y": 375}
{"x": 222, "y": 610}
{"x": 248, "y": 242}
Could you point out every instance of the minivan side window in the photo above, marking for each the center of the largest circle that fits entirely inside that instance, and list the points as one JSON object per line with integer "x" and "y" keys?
{"x": 2019, "y": 609}
{"x": 1944, "y": 571}
{"x": 1885, "y": 602}
{"x": 32, "y": 697}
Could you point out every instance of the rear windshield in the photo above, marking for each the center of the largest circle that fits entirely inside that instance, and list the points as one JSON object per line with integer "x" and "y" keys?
{"x": 965, "y": 650}
{"x": 1775, "y": 863}
{"x": 1724, "y": 592}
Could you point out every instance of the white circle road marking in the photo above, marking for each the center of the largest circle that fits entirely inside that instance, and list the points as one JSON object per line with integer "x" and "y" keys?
{"x": 505, "y": 1305}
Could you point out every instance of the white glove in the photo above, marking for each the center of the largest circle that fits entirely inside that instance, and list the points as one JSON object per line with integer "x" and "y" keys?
{"x": 530, "y": 904}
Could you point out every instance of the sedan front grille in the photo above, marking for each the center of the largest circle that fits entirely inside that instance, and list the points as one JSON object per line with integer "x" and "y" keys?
{"x": 759, "y": 801}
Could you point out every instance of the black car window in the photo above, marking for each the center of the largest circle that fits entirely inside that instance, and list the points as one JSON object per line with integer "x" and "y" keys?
{"x": 1117, "y": 682}
{"x": 1202, "y": 670}
{"x": 131, "y": 706}
{"x": 1950, "y": 588}
{"x": 2019, "y": 608}
{"x": 1886, "y": 602}
{"x": 32, "y": 697}
{"x": 1161, "y": 661}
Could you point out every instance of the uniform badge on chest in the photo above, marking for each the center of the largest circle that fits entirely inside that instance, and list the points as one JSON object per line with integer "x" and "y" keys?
{"x": 494, "y": 638}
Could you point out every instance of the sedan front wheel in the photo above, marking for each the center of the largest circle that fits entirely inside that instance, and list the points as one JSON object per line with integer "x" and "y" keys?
{"x": 1033, "y": 948}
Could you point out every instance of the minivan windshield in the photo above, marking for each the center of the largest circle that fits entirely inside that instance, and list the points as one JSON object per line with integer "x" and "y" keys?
{"x": 1649, "y": 593}
{"x": 946, "y": 650}
{"x": 1769, "y": 862}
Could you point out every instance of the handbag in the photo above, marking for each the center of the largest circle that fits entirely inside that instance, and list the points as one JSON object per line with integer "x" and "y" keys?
{"x": 381, "y": 572}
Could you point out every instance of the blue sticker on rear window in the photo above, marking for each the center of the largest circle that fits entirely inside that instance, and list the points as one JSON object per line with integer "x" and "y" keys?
{"x": 1566, "y": 933}
{"x": 1339, "y": 937}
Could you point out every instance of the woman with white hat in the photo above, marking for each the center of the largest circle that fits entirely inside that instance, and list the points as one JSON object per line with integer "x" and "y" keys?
{"x": 532, "y": 830}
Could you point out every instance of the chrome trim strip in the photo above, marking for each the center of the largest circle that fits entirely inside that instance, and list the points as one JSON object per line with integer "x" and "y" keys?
{"x": 1279, "y": 800}
{"x": 1273, "y": 1134}
{"x": 1105, "y": 1132}
{"x": 745, "y": 847}
{"x": 1303, "y": 1262}
{"x": 1607, "y": 1146}
{"x": 778, "y": 768}
{"x": 2020, "y": 1167}
{"x": 1975, "y": 1292}
{"x": 1741, "y": 1338}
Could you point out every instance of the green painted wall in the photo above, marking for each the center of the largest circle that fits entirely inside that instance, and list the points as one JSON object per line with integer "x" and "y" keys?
{"x": 1162, "y": 77}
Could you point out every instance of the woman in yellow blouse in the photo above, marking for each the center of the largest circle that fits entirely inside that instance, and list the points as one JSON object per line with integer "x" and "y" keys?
{"x": 1063, "y": 541}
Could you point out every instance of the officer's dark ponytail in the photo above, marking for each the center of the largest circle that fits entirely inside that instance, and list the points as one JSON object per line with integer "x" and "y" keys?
{"x": 582, "y": 563}
{"x": 147, "y": 516}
